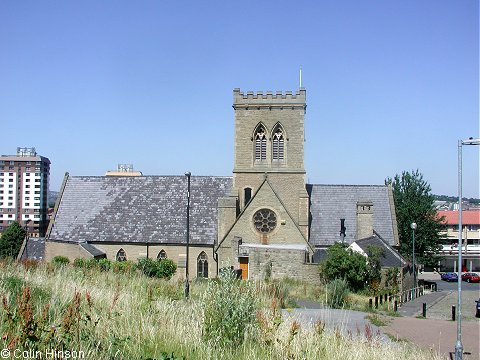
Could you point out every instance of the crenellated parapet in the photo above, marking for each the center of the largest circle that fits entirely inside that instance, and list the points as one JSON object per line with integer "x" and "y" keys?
{"x": 251, "y": 100}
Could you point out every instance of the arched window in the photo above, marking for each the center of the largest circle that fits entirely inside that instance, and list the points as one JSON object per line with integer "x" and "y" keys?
{"x": 121, "y": 255}
{"x": 278, "y": 149}
{"x": 162, "y": 255}
{"x": 260, "y": 144}
{"x": 202, "y": 265}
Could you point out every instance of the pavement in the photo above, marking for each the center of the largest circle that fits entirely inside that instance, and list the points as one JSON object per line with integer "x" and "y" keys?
{"x": 436, "y": 332}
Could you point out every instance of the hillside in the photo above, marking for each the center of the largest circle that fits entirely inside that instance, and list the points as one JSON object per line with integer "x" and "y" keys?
{"x": 125, "y": 315}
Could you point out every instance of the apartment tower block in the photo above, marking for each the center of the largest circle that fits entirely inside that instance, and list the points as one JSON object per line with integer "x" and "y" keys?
{"x": 24, "y": 181}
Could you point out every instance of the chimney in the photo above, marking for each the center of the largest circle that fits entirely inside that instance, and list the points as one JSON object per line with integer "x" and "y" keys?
{"x": 364, "y": 219}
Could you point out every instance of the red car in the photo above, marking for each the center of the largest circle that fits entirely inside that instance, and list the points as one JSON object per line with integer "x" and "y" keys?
{"x": 471, "y": 277}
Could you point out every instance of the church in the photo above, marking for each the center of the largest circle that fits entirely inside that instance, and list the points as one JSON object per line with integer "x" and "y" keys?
{"x": 264, "y": 220}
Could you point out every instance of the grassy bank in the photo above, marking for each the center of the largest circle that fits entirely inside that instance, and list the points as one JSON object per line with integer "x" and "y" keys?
{"x": 109, "y": 315}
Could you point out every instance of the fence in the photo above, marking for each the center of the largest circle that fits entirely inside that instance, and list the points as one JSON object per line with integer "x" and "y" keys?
{"x": 394, "y": 300}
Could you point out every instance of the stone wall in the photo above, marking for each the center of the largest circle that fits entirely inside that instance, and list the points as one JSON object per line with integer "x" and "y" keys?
{"x": 135, "y": 251}
{"x": 281, "y": 263}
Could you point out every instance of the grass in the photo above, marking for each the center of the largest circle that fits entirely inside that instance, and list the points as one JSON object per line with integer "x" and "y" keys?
{"x": 377, "y": 320}
{"x": 111, "y": 315}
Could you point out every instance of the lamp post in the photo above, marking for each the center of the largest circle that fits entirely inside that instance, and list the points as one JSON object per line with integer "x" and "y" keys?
{"x": 187, "y": 285}
{"x": 413, "y": 226}
{"x": 458, "y": 344}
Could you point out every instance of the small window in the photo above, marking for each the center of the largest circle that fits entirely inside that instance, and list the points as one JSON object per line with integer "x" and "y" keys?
{"x": 247, "y": 195}
{"x": 121, "y": 255}
{"x": 162, "y": 255}
{"x": 202, "y": 265}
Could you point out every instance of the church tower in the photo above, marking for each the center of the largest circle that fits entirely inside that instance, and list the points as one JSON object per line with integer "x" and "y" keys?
{"x": 269, "y": 142}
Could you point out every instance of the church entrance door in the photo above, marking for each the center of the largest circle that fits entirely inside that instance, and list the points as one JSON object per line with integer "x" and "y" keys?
{"x": 244, "y": 267}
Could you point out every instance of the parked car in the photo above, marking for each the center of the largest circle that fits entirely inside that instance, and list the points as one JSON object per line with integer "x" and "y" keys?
{"x": 471, "y": 277}
{"x": 449, "y": 276}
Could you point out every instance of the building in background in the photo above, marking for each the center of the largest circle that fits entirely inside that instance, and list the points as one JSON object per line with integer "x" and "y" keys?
{"x": 470, "y": 240}
{"x": 124, "y": 170}
{"x": 24, "y": 181}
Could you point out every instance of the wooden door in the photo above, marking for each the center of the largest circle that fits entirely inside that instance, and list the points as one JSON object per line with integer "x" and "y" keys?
{"x": 244, "y": 267}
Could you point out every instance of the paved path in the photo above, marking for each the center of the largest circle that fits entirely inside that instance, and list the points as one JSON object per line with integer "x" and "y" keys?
{"x": 415, "y": 307}
{"x": 436, "y": 332}
{"x": 348, "y": 322}
{"x": 438, "y": 335}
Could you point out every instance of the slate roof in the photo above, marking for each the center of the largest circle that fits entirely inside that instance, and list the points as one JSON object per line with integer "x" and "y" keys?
{"x": 138, "y": 209}
{"x": 330, "y": 203}
{"x": 389, "y": 258}
{"x": 34, "y": 249}
{"x": 93, "y": 250}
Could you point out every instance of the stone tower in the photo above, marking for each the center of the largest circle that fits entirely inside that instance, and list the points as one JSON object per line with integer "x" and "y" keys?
{"x": 269, "y": 141}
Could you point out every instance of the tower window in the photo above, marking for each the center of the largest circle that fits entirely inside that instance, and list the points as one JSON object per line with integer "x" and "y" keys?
{"x": 260, "y": 144}
{"x": 247, "y": 195}
{"x": 278, "y": 149}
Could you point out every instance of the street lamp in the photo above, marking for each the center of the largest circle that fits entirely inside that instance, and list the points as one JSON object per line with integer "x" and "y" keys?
{"x": 458, "y": 345}
{"x": 413, "y": 226}
{"x": 187, "y": 285}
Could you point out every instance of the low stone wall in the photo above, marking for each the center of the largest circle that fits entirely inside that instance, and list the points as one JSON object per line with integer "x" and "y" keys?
{"x": 281, "y": 263}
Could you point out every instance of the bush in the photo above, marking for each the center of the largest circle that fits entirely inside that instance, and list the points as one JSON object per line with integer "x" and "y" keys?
{"x": 337, "y": 293}
{"x": 79, "y": 263}
{"x": 103, "y": 264}
{"x": 60, "y": 260}
{"x": 229, "y": 309}
{"x": 166, "y": 268}
{"x": 124, "y": 267}
{"x": 157, "y": 268}
{"x": 344, "y": 263}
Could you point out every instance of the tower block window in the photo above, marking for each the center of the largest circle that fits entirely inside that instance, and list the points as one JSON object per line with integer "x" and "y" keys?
{"x": 278, "y": 150}
{"x": 260, "y": 144}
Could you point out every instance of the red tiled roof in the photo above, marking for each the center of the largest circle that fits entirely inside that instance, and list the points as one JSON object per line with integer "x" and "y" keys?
{"x": 469, "y": 217}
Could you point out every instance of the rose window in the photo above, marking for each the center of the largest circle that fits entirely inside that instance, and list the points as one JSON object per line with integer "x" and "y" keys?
{"x": 265, "y": 220}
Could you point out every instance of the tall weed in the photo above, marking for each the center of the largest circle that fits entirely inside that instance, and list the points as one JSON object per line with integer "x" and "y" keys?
{"x": 229, "y": 310}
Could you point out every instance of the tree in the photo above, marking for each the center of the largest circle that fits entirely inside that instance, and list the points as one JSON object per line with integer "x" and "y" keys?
{"x": 11, "y": 240}
{"x": 374, "y": 267}
{"x": 414, "y": 203}
{"x": 344, "y": 263}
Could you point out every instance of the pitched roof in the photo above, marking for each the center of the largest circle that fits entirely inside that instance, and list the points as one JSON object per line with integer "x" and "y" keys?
{"x": 138, "y": 209}
{"x": 34, "y": 249}
{"x": 389, "y": 257}
{"x": 330, "y": 203}
{"x": 469, "y": 217}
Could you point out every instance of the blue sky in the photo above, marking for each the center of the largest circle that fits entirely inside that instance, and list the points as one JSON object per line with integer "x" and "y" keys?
{"x": 391, "y": 85}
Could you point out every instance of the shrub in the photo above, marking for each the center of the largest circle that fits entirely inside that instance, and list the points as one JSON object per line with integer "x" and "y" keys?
{"x": 337, "y": 293}
{"x": 344, "y": 263}
{"x": 157, "y": 268}
{"x": 79, "y": 263}
{"x": 229, "y": 309}
{"x": 60, "y": 260}
{"x": 124, "y": 267}
{"x": 103, "y": 264}
{"x": 166, "y": 268}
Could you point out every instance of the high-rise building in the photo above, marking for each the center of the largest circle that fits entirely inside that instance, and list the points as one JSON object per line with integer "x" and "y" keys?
{"x": 24, "y": 181}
